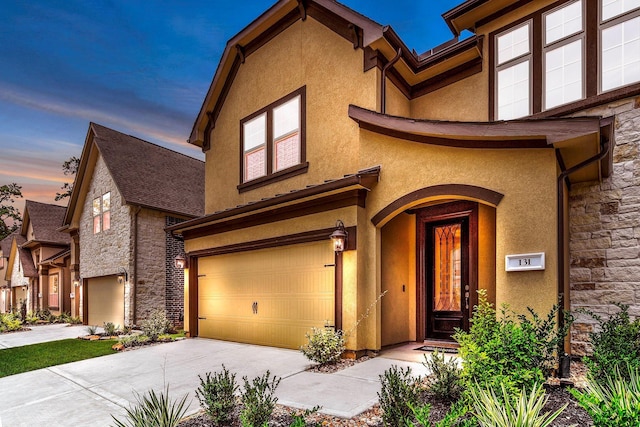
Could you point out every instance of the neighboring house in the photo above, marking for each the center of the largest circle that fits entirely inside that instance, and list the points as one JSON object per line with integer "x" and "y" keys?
{"x": 22, "y": 275}
{"x": 505, "y": 161}
{"x": 50, "y": 251}
{"x": 125, "y": 193}
{"x": 5, "y": 283}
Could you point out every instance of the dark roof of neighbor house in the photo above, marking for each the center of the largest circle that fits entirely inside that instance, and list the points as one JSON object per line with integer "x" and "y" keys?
{"x": 5, "y": 244}
{"x": 28, "y": 267}
{"x": 45, "y": 220}
{"x": 152, "y": 176}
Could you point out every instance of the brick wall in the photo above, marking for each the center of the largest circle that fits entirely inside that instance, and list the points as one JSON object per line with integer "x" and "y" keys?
{"x": 174, "y": 276}
{"x": 605, "y": 230}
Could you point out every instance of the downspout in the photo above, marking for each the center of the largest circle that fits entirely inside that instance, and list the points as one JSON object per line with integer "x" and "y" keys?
{"x": 604, "y": 150}
{"x": 383, "y": 85}
{"x": 134, "y": 274}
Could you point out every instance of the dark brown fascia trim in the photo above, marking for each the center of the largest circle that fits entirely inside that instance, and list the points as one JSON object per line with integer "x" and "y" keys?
{"x": 472, "y": 191}
{"x": 480, "y": 135}
{"x": 36, "y": 243}
{"x": 354, "y": 197}
{"x": 500, "y": 13}
{"x": 175, "y": 214}
{"x": 364, "y": 179}
{"x": 458, "y": 11}
{"x": 274, "y": 242}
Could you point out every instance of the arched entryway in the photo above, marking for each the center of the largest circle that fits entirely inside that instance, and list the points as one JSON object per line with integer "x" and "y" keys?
{"x": 436, "y": 252}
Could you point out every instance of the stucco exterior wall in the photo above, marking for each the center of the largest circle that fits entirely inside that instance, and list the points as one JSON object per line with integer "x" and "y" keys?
{"x": 525, "y": 218}
{"x": 306, "y": 53}
{"x": 605, "y": 230}
{"x": 18, "y": 280}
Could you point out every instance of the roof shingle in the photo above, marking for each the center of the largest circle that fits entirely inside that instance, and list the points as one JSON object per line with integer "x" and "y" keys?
{"x": 45, "y": 220}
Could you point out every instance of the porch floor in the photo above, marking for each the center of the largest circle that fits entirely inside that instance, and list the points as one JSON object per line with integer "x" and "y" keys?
{"x": 411, "y": 351}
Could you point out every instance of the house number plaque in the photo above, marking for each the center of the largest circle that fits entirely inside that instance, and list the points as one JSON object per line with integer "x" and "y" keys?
{"x": 525, "y": 262}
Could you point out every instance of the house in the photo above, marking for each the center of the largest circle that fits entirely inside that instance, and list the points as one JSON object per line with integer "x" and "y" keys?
{"x": 125, "y": 193}
{"x": 21, "y": 275}
{"x": 504, "y": 161}
{"x": 50, "y": 251}
{"x": 5, "y": 282}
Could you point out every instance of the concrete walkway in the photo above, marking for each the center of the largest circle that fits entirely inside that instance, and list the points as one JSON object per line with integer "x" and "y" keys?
{"x": 88, "y": 392}
{"x": 42, "y": 333}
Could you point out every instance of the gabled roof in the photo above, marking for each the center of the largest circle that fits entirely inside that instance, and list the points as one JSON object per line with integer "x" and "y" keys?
{"x": 45, "y": 220}
{"x": 5, "y": 244}
{"x": 412, "y": 73}
{"x": 24, "y": 257}
{"x": 144, "y": 173}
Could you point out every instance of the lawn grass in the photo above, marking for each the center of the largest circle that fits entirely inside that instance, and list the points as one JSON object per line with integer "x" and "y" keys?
{"x": 37, "y": 356}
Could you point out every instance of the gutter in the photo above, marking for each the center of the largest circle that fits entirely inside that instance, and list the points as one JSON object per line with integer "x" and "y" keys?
{"x": 383, "y": 84}
{"x": 604, "y": 150}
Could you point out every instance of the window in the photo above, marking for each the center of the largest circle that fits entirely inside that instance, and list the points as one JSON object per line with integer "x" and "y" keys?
{"x": 54, "y": 291}
{"x": 619, "y": 43}
{"x": 273, "y": 139}
{"x": 102, "y": 213}
{"x": 563, "y": 53}
{"x": 513, "y": 72}
{"x": 568, "y": 56}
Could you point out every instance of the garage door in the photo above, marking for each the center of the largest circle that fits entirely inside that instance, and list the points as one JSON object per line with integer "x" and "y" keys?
{"x": 105, "y": 301}
{"x": 268, "y": 297}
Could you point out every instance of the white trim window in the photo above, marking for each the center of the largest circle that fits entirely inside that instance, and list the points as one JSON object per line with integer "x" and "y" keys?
{"x": 563, "y": 51}
{"x": 513, "y": 72}
{"x": 619, "y": 43}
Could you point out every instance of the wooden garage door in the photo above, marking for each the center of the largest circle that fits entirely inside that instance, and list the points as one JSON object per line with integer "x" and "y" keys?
{"x": 105, "y": 299}
{"x": 267, "y": 297}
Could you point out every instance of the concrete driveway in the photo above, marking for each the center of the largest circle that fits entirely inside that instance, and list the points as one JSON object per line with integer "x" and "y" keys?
{"x": 88, "y": 392}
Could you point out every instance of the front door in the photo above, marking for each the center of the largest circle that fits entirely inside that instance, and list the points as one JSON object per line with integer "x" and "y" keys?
{"x": 447, "y": 249}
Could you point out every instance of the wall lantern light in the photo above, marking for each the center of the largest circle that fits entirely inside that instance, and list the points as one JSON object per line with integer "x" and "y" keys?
{"x": 24, "y": 288}
{"x": 123, "y": 276}
{"x": 339, "y": 237}
{"x": 76, "y": 283}
{"x": 180, "y": 262}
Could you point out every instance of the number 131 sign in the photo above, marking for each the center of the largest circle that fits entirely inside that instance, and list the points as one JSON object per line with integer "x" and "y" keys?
{"x": 525, "y": 262}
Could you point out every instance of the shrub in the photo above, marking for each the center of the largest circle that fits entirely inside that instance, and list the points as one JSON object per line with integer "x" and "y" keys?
{"x": 457, "y": 416}
{"x": 613, "y": 401}
{"x": 325, "y": 345}
{"x": 444, "y": 380}
{"x": 217, "y": 395}
{"x": 154, "y": 410}
{"x": 92, "y": 329}
{"x": 299, "y": 418}
{"x": 616, "y": 345}
{"x": 110, "y": 329}
{"x": 501, "y": 410}
{"x": 508, "y": 349}
{"x": 399, "y": 392}
{"x": 258, "y": 400}
{"x": 133, "y": 340}
{"x": 9, "y": 322}
{"x": 156, "y": 324}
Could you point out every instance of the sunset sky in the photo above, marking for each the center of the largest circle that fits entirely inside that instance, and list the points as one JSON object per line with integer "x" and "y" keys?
{"x": 140, "y": 67}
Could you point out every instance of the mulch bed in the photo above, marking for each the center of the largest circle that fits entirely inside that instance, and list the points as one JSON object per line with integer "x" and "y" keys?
{"x": 573, "y": 414}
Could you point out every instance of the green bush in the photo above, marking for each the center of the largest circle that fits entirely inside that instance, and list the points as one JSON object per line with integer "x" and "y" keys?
{"x": 501, "y": 410}
{"x": 9, "y": 322}
{"x": 154, "y": 410}
{"x": 444, "y": 380}
{"x": 217, "y": 395}
{"x": 156, "y": 324}
{"x": 616, "y": 345}
{"x": 458, "y": 416}
{"x": 325, "y": 345}
{"x": 507, "y": 349}
{"x": 399, "y": 392}
{"x": 92, "y": 329}
{"x": 133, "y": 340}
{"x": 110, "y": 329}
{"x": 613, "y": 401}
{"x": 258, "y": 400}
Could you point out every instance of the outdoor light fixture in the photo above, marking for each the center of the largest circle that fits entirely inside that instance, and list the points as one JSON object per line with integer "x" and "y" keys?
{"x": 339, "y": 237}
{"x": 76, "y": 283}
{"x": 123, "y": 276}
{"x": 180, "y": 261}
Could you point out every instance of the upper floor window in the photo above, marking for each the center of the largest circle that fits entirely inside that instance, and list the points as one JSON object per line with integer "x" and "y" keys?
{"x": 513, "y": 71}
{"x": 566, "y": 53}
{"x": 102, "y": 213}
{"x": 620, "y": 43}
{"x": 273, "y": 138}
{"x": 563, "y": 53}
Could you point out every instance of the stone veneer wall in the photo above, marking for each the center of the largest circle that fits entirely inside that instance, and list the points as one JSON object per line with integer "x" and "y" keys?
{"x": 151, "y": 279}
{"x": 605, "y": 230}
{"x": 174, "y": 276}
{"x": 108, "y": 252}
